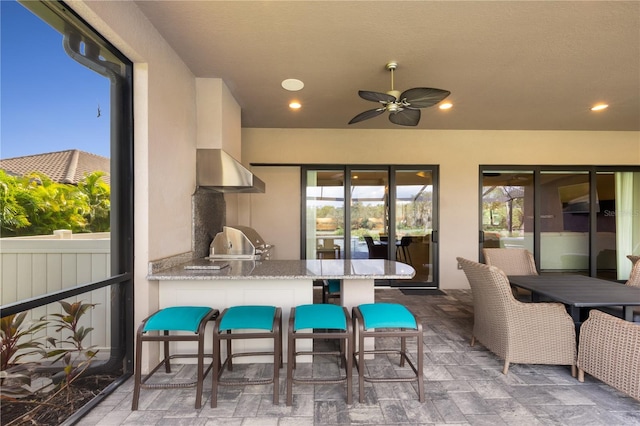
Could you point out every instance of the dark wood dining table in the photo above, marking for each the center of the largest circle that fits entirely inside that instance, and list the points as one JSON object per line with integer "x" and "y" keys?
{"x": 580, "y": 291}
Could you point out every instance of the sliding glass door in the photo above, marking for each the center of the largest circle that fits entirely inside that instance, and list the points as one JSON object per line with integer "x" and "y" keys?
{"x": 507, "y": 209}
{"x": 373, "y": 212}
{"x": 413, "y": 221}
{"x": 618, "y": 224}
{"x": 369, "y": 212}
{"x": 573, "y": 219}
{"x": 564, "y": 221}
{"x": 324, "y": 214}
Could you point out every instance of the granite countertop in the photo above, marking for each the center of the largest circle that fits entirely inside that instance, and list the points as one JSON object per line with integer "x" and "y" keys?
{"x": 200, "y": 269}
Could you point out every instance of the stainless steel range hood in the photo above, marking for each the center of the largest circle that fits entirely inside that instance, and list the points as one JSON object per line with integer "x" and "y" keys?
{"x": 218, "y": 171}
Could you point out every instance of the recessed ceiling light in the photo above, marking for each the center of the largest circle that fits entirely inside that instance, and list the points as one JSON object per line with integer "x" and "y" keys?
{"x": 447, "y": 105}
{"x": 295, "y": 105}
{"x": 599, "y": 107}
{"x": 292, "y": 84}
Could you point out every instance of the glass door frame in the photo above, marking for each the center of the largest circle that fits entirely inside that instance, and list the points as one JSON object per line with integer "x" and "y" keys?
{"x": 537, "y": 202}
{"x": 391, "y": 213}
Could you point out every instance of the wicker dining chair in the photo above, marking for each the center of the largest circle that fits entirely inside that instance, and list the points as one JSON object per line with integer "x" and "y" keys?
{"x": 633, "y": 258}
{"x": 512, "y": 261}
{"x": 523, "y": 333}
{"x": 634, "y": 277}
{"x": 609, "y": 350}
{"x": 634, "y": 281}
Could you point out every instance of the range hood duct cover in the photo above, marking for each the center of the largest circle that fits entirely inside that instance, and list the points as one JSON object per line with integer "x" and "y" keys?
{"x": 218, "y": 171}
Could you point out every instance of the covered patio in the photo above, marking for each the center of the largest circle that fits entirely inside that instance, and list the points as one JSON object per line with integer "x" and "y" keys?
{"x": 464, "y": 385}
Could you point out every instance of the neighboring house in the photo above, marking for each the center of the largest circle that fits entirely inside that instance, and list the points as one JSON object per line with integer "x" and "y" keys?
{"x": 68, "y": 166}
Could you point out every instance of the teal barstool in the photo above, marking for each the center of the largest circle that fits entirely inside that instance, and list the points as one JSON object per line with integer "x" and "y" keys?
{"x": 387, "y": 320}
{"x": 247, "y": 322}
{"x": 320, "y": 321}
{"x": 330, "y": 290}
{"x": 190, "y": 322}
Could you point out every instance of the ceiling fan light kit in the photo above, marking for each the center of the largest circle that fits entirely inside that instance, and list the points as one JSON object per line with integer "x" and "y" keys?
{"x": 403, "y": 108}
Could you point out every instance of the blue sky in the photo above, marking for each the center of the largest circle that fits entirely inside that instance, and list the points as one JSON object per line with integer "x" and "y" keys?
{"x": 49, "y": 102}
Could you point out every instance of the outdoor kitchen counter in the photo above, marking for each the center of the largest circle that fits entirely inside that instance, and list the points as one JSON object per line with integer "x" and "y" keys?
{"x": 199, "y": 269}
{"x": 282, "y": 283}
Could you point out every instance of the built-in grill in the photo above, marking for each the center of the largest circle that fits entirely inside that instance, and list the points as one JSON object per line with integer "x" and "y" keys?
{"x": 239, "y": 243}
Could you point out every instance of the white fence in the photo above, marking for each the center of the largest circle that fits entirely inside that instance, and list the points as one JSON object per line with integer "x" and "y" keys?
{"x": 34, "y": 266}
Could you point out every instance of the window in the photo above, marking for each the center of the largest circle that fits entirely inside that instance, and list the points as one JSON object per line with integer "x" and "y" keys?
{"x": 573, "y": 219}
{"x": 39, "y": 274}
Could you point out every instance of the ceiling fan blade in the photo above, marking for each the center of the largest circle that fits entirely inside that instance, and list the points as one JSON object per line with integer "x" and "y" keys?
{"x": 423, "y": 97}
{"x": 367, "y": 115}
{"x": 376, "y": 96}
{"x": 406, "y": 117}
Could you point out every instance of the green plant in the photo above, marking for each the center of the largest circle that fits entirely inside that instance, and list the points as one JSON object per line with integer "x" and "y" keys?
{"x": 70, "y": 350}
{"x": 98, "y": 196}
{"x": 13, "y": 334}
{"x": 13, "y": 215}
{"x": 36, "y": 205}
{"x": 76, "y": 357}
{"x": 17, "y": 341}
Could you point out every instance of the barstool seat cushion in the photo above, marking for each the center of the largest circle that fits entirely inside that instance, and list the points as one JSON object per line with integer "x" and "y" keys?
{"x": 248, "y": 317}
{"x": 387, "y": 315}
{"x": 334, "y": 286}
{"x": 320, "y": 316}
{"x": 177, "y": 318}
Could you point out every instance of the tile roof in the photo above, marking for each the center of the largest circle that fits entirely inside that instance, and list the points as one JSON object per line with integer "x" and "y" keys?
{"x": 68, "y": 166}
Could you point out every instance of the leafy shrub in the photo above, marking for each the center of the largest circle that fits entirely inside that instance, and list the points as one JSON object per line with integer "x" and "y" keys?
{"x": 35, "y": 205}
{"x": 70, "y": 350}
{"x": 17, "y": 341}
{"x": 13, "y": 333}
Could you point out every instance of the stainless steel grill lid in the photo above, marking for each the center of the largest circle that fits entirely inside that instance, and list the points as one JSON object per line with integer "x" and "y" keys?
{"x": 239, "y": 242}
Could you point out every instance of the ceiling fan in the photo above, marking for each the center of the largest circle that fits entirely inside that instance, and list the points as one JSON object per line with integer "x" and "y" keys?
{"x": 403, "y": 107}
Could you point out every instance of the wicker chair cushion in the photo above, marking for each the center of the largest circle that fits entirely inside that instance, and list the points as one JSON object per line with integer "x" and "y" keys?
{"x": 248, "y": 317}
{"x": 387, "y": 315}
{"x": 325, "y": 316}
{"x": 177, "y": 318}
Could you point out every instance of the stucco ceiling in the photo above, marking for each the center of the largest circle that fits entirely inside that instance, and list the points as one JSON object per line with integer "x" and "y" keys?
{"x": 531, "y": 65}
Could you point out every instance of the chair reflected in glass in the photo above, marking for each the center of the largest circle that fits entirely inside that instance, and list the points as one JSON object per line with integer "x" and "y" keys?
{"x": 402, "y": 246}
{"x": 328, "y": 249}
{"x": 376, "y": 251}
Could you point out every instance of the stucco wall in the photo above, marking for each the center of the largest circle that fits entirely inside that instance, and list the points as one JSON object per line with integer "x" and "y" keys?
{"x": 164, "y": 139}
{"x": 458, "y": 153}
